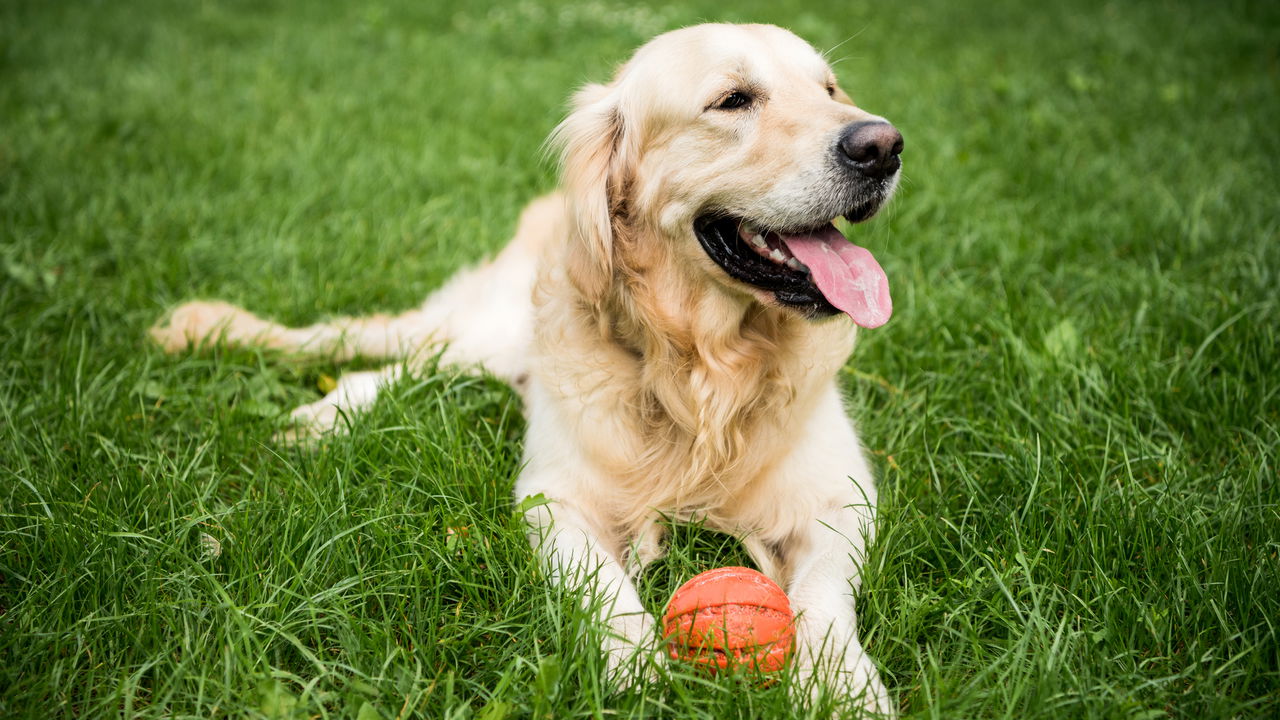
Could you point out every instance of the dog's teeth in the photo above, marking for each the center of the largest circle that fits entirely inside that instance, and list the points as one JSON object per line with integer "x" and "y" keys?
{"x": 758, "y": 241}
{"x": 795, "y": 264}
{"x": 777, "y": 256}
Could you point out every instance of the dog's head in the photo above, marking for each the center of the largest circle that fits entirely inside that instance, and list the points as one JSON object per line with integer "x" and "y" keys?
{"x": 727, "y": 151}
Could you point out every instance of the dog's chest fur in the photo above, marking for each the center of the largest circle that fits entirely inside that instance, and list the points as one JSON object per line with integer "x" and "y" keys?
{"x": 683, "y": 420}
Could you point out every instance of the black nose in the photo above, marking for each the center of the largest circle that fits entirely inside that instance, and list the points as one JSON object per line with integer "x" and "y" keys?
{"x": 871, "y": 148}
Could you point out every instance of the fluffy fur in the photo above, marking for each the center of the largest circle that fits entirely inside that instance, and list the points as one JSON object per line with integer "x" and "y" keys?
{"x": 655, "y": 385}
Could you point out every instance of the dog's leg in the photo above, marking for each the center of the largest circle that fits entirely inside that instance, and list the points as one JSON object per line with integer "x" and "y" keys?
{"x": 499, "y": 345}
{"x": 355, "y": 391}
{"x": 822, "y": 564}
{"x": 580, "y": 552}
{"x": 377, "y": 336}
{"x": 813, "y": 521}
{"x": 482, "y": 316}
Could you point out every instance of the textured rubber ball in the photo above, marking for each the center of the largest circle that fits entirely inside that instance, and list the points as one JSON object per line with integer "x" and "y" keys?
{"x": 731, "y": 617}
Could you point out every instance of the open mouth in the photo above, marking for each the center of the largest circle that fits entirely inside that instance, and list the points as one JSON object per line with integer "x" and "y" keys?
{"x": 815, "y": 271}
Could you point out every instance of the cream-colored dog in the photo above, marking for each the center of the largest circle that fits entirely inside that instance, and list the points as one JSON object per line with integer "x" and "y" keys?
{"x": 674, "y": 320}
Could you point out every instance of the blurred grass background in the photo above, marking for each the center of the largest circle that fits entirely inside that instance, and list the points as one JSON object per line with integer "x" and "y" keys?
{"x": 1073, "y": 412}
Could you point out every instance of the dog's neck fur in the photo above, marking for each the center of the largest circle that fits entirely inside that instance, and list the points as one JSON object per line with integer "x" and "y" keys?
{"x": 719, "y": 384}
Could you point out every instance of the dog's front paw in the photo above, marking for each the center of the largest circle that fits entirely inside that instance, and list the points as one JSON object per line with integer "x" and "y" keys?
{"x": 631, "y": 652}
{"x": 852, "y": 684}
{"x": 632, "y": 667}
{"x": 199, "y": 321}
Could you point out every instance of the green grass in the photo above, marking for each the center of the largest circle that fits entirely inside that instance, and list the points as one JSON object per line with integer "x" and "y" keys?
{"x": 1074, "y": 411}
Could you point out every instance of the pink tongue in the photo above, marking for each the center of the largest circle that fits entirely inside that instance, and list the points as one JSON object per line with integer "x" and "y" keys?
{"x": 848, "y": 276}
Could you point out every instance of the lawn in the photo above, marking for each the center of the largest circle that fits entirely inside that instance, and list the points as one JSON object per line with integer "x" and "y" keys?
{"x": 1075, "y": 412}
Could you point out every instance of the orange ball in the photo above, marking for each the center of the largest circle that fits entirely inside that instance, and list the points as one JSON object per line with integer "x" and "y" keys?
{"x": 730, "y": 617}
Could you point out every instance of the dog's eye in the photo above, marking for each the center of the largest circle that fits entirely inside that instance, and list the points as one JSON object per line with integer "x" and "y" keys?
{"x": 831, "y": 90}
{"x": 734, "y": 101}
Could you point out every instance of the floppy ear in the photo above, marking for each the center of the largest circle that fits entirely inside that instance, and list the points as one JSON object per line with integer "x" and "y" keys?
{"x": 589, "y": 141}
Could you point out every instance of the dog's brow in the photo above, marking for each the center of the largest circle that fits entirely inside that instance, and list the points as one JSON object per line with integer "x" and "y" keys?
{"x": 740, "y": 78}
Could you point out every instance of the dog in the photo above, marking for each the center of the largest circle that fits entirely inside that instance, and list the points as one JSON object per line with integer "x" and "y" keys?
{"x": 674, "y": 318}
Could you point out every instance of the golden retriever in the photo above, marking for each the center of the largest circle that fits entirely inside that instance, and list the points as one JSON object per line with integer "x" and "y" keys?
{"x": 674, "y": 319}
